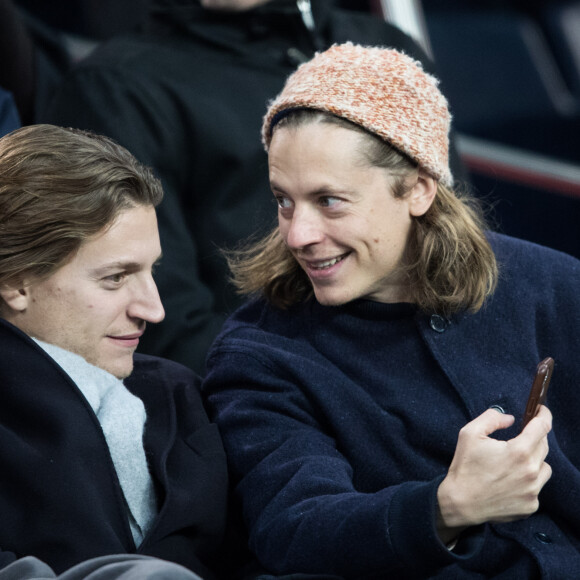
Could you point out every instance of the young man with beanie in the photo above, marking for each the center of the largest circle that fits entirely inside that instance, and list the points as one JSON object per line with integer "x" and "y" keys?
{"x": 371, "y": 393}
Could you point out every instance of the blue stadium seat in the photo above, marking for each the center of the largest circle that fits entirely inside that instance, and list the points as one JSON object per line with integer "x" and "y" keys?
{"x": 502, "y": 80}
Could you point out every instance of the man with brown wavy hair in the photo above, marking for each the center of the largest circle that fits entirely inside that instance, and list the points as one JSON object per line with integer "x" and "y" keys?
{"x": 368, "y": 394}
{"x": 104, "y": 452}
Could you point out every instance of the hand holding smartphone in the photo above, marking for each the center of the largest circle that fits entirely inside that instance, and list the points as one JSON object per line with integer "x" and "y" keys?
{"x": 539, "y": 389}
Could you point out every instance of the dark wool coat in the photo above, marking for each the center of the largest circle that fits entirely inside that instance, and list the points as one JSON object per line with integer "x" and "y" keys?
{"x": 336, "y": 477}
{"x": 60, "y": 498}
{"x": 187, "y": 97}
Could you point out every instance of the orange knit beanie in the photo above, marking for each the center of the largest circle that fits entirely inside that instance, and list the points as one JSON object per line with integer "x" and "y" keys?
{"x": 383, "y": 90}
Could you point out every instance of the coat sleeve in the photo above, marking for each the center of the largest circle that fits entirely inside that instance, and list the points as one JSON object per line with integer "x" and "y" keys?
{"x": 140, "y": 117}
{"x": 303, "y": 511}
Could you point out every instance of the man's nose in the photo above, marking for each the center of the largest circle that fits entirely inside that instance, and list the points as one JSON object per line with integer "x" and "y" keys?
{"x": 304, "y": 229}
{"x": 147, "y": 304}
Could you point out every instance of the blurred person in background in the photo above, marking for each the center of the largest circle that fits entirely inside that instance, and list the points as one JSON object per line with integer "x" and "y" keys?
{"x": 186, "y": 97}
{"x": 40, "y": 41}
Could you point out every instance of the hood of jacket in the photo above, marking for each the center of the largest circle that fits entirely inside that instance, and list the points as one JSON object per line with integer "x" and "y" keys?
{"x": 276, "y": 21}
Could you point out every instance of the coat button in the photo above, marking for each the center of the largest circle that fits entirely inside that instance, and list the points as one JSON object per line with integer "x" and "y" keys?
{"x": 543, "y": 538}
{"x": 438, "y": 323}
{"x": 498, "y": 408}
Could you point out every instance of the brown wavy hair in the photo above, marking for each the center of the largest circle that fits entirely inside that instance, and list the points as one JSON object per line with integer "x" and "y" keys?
{"x": 59, "y": 187}
{"x": 450, "y": 264}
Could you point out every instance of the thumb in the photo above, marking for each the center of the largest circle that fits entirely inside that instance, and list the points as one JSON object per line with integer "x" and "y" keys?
{"x": 490, "y": 421}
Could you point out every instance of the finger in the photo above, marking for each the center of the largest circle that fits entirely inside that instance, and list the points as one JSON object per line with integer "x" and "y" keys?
{"x": 530, "y": 449}
{"x": 489, "y": 422}
{"x": 545, "y": 414}
{"x": 545, "y": 474}
{"x": 539, "y": 427}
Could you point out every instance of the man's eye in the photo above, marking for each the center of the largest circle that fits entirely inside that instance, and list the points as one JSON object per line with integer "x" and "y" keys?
{"x": 116, "y": 278}
{"x": 283, "y": 202}
{"x": 328, "y": 201}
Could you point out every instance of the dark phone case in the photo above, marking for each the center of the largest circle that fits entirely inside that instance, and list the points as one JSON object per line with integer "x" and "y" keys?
{"x": 539, "y": 389}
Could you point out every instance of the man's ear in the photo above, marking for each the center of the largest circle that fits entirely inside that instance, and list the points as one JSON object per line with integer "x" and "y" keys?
{"x": 422, "y": 194}
{"x": 15, "y": 298}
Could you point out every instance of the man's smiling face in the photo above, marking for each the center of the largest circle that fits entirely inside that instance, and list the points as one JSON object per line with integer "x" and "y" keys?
{"x": 98, "y": 303}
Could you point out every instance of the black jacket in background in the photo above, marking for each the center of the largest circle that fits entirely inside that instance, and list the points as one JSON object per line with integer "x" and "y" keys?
{"x": 187, "y": 97}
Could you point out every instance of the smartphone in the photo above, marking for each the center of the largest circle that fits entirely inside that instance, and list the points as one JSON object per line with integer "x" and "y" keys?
{"x": 539, "y": 389}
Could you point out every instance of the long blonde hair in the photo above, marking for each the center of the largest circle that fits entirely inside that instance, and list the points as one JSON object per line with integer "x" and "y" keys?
{"x": 450, "y": 264}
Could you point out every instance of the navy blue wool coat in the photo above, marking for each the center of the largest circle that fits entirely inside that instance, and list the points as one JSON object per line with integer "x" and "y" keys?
{"x": 335, "y": 477}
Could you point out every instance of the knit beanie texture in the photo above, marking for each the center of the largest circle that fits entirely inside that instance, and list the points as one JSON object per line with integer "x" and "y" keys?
{"x": 385, "y": 91}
